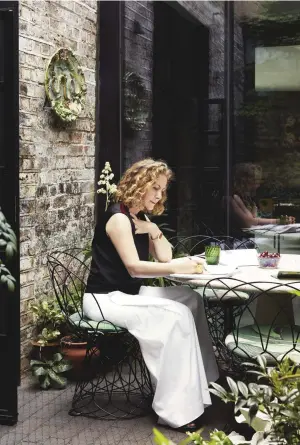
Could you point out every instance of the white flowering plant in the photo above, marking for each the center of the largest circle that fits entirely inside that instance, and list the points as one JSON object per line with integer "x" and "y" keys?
{"x": 107, "y": 188}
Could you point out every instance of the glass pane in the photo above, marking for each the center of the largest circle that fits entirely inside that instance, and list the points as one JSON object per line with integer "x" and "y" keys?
{"x": 1, "y": 49}
{"x": 266, "y": 173}
{"x": 173, "y": 70}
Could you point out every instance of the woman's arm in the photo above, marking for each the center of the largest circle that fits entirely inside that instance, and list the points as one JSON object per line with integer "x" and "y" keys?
{"x": 245, "y": 216}
{"x": 159, "y": 246}
{"x": 118, "y": 228}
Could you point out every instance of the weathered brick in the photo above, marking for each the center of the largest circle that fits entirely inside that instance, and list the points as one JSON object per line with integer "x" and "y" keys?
{"x": 52, "y": 155}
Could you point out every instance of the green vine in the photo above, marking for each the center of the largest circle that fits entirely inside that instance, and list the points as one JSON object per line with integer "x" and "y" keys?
{"x": 8, "y": 245}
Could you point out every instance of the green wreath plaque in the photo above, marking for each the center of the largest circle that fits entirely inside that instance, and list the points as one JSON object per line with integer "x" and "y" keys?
{"x": 65, "y": 85}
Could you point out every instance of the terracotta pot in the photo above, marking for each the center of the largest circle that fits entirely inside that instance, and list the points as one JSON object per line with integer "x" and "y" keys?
{"x": 75, "y": 352}
{"x": 46, "y": 352}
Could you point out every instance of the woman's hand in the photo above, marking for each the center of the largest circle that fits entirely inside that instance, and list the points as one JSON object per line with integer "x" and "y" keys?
{"x": 285, "y": 219}
{"x": 187, "y": 265}
{"x": 145, "y": 226}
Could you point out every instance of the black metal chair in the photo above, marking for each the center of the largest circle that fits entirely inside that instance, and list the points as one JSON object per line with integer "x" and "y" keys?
{"x": 223, "y": 314}
{"x": 269, "y": 329}
{"x": 121, "y": 386}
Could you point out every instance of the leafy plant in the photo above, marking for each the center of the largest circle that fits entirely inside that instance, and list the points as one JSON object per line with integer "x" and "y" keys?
{"x": 49, "y": 372}
{"x": 8, "y": 244}
{"x": 48, "y": 318}
{"x": 216, "y": 438}
{"x": 271, "y": 408}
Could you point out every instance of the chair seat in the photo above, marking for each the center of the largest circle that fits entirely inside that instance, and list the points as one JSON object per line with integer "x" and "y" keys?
{"x": 219, "y": 294}
{"x": 250, "y": 341}
{"x": 87, "y": 324}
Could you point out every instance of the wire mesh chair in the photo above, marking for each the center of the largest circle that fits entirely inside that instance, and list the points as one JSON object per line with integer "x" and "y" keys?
{"x": 267, "y": 323}
{"x": 195, "y": 245}
{"x": 121, "y": 386}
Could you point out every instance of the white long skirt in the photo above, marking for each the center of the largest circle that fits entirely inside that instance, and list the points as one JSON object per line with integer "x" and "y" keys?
{"x": 171, "y": 328}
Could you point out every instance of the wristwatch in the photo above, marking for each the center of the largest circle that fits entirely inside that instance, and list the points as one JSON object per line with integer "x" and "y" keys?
{"x": 159, "y": 236}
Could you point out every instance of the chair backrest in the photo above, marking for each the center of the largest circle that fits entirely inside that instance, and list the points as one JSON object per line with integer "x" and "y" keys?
{"x": 69, "y": 271}
{"x": 195, "y": 244}
{"x": 267, "y": 323}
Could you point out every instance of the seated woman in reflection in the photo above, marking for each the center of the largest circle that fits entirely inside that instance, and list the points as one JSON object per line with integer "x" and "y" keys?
{"x": 246, "y": 180}
{"x": 170, "y": 322}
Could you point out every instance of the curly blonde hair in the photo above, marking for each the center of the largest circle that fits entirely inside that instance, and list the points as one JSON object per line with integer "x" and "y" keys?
{"x": 245, "y": 173}
{"x": 138, "y": 179}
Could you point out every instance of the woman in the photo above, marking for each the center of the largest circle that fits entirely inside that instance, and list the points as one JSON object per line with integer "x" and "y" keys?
{"x": 160, "y": 318}
{"x": 247, "y": 179}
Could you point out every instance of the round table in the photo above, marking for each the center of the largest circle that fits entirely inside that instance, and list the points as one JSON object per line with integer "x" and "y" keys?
{"x": 264, "y": 281}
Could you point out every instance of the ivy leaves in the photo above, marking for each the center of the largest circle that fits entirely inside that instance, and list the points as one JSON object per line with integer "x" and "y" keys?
{"x": 8, "y": 245}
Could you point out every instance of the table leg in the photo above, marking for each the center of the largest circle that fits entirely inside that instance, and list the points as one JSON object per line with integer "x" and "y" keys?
{"x": 270, "y": 304}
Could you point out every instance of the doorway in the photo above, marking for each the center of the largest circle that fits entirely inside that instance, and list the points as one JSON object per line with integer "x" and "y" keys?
{"x": 180, "y": 90}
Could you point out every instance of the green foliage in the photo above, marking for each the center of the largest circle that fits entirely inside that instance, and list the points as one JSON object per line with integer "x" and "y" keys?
{"x": 48, "y": 318}
{"x": 216, "y": 438}
{"x": 276, "y": 399}
{"x": 49, "y": 372}
{"x": 271, "y": 406}
{"x": 8, "y": 245}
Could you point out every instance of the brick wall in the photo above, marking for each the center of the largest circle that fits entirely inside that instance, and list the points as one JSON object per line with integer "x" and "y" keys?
{"x": 56, "y": 160}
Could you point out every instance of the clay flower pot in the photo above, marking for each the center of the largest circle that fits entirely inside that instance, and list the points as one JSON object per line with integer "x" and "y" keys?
{"x": 74, "y": 349}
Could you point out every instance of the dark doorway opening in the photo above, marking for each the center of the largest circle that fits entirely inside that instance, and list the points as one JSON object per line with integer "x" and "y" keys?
{"x": 9, "y": 203}
{"x": 180, "y": 90}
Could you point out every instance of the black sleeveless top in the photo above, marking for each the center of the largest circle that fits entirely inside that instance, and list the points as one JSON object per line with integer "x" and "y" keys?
{"x": 108, "y": 272}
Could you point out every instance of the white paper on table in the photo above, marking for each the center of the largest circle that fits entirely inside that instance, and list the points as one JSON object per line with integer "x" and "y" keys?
{"x": 239, "y": 257}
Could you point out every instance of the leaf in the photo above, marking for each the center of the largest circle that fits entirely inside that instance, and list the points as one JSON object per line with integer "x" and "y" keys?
{"x": 160, "y": 439}
{"x": 254, "y": 388}
{"x": 222, "y": 392}
{"x": 62, "y": 367}
{"x": 233, "y": 386}
{"x": 253, "y": 411}
{"x": 38, "y": 371}
{"x": 57, "y": 357}
{"x": 57, "y": 380}
{"x": 45, "y": 382}
{"x": 262, "y": 361}
{"x": 239, "y": 404}
{"x": 243, "y": 389}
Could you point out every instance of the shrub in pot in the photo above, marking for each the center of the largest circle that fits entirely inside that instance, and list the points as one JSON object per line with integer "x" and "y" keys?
{"x": 271, "y": 407}
{"x": 49, "y": 322}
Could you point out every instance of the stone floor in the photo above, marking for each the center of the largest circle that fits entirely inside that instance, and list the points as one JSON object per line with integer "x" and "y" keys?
{"x": 44, "y": 420}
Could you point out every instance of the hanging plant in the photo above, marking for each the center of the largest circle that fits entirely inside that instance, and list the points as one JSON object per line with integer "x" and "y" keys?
{"x": 135, "y": 101}
{"x": 65, "y": 85}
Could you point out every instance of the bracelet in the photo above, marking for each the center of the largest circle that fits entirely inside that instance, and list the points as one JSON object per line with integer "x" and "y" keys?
{"x": 159, "y": 236}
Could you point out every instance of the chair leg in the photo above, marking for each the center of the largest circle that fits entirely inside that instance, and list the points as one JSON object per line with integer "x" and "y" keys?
{"x": 123, "y": 392}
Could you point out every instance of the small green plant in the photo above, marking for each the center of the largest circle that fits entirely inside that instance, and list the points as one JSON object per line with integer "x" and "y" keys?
{"x": 49, "y": 372}
{"x": 271, "y": 407}
{"x": 8, "y": 245}
{"x": 108, "y": 189}
{"x": 48, "y": 318}
{"x": 216, "y": 438}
